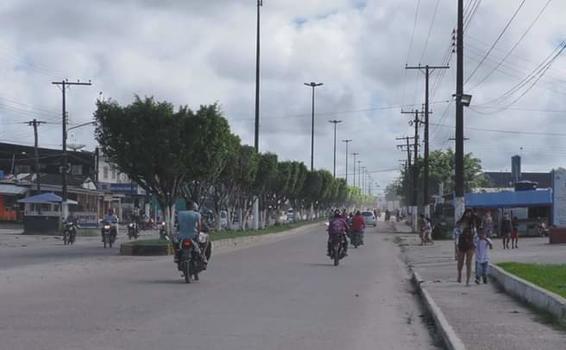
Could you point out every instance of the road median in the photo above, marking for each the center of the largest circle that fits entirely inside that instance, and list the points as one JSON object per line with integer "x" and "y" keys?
{"x": 222, "y": 241}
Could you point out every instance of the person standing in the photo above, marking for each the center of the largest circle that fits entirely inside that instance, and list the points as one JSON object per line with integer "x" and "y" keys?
{"x": 483, "y": 244}
{"x": 466, "y": 247}
{"x": 515, "y": 233}
{"x": 487, "y": 224}
{"x": 506, "y": 228}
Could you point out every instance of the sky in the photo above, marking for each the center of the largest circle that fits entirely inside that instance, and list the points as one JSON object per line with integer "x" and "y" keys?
{"x": 195, "y": 52}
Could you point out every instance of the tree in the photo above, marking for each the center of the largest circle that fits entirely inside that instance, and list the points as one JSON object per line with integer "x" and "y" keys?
{"x": 146, "y": 140}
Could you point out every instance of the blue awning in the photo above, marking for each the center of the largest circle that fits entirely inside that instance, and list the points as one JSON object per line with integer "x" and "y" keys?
{"x": 45, "y": 198}
{"x": 518, "y": 199}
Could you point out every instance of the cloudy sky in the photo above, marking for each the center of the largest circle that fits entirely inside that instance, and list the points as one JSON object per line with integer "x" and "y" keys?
{"x": 203, "y": 51}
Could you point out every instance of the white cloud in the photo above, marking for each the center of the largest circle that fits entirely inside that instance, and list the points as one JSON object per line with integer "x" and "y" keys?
{"x": 197, "y": 52}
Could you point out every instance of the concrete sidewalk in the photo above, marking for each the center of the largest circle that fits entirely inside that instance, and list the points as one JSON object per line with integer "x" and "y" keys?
{"x": 484, "y": 317}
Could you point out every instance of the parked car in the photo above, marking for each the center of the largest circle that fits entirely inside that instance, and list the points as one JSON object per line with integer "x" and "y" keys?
{"x": 369, "y": 218}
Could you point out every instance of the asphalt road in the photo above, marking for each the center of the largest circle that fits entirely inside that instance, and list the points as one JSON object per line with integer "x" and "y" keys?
{"x": 283, "y": 295}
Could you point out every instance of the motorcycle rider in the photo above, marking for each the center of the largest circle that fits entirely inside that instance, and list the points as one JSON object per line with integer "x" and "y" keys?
{"x": 358, "y": 225}
{"x": 189, "y": 225}
{"x": 337, "y": 226}
{"x": 112, "y": 220}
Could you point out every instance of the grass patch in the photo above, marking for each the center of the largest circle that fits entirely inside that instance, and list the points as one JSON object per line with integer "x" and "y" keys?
{"x": 549, "y": 277}
{"x": 225, "y": 234}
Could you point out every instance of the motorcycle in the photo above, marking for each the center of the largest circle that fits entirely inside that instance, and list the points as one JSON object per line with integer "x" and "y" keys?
{"x": 133, "y": 231}
{"x": 69, "y": 233}
{"x": 108, "y": 235}
{"x": 163, "y": 231}
{"x": 338, "y": 248}
{"x": 190, "y": 262}
{"x": 356, "y": 238}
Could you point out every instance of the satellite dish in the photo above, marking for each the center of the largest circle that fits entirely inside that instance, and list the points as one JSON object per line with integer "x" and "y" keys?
{"x": 75, "y": 147}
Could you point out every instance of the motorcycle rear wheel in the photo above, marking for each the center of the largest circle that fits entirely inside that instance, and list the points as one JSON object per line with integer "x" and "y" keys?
{"x": 186, "y": 271}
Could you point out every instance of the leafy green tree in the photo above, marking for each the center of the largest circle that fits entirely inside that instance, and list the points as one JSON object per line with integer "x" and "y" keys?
{"x": 146, "y": 140}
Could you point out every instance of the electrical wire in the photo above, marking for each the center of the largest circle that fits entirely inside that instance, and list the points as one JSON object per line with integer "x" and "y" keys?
{"x": 507, "y": 25}
{"x": 532, "y": 24}
{"x": 435, "y": 12}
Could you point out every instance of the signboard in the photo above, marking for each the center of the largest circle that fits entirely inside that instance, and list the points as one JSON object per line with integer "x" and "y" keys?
{"x": 559, "y": 197}
{"x": 86, "y": 219}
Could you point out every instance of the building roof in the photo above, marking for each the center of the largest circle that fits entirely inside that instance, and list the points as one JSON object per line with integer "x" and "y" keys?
{"x": 505, "y": 179}
{"x": 13, "y": 190}
{"x": 508, "y": 199}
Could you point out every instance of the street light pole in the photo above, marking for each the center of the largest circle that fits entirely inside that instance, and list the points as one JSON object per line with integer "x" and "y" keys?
{"x": 355, "y": 155}
{"x": 346, "y": 142}
{"x": 335, "y": 122}
{"x": 313, "y": 85}
{"x": 359, "y": 173}
{"x": 256, "y": 139}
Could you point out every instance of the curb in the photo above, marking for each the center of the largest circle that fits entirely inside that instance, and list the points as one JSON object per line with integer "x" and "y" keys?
{"x": 529, "y": 293}
{"x": 451, "y": 340}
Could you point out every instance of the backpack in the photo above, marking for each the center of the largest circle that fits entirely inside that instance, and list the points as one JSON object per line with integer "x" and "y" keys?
{"x": 336, "y": 227}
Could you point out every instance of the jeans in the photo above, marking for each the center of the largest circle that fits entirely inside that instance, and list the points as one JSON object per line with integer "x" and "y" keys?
{"x": 481, "y": 270}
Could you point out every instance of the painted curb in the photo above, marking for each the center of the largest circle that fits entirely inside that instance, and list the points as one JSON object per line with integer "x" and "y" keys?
{"x": 529, "y": 293}
{"x": 451, "y": 340}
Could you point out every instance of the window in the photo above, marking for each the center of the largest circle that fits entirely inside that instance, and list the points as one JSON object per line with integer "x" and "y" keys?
{"x": 105, "y": 173}
{"x": 113, "y": 173}
{"x": 22, "y": 169}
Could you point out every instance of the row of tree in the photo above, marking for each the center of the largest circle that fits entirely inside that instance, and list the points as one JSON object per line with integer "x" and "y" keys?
{"x": 441, "y": 176}
{"x": 193, "y": 155}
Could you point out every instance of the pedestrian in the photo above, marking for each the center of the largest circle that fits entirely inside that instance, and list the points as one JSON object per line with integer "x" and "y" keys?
{"x": 428, "y": 231}
{"x": 515, "y": 233}
{"x": 466, "y": 247}
{"x": 422, "y": 228}
{"x": 483, "y": 244}
{"x": 456, "y": 236}
{"x": 487, "y": 224}
{"x": 506, "y": 228}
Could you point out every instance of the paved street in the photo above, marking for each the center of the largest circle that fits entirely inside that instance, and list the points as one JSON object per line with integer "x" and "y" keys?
{"x": 282, "y": 295}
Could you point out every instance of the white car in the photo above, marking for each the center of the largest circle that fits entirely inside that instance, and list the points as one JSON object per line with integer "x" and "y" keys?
{"x": 369, "y": 218}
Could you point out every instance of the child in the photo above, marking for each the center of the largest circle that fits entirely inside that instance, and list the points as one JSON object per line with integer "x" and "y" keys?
{"x": 482, "y": 244}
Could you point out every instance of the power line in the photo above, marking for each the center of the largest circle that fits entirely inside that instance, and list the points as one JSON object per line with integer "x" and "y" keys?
{"x": 507, "y": 25}
{"x": 435, "y": 12}
{"x": 515, "y": 45}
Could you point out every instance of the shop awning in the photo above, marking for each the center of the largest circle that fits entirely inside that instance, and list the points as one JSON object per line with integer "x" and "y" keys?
{"x": 45, "y": 198}
{"x": 517, "y": 199}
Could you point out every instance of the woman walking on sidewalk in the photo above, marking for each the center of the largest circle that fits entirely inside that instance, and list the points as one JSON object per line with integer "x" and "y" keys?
{"x": 466, "y": 245}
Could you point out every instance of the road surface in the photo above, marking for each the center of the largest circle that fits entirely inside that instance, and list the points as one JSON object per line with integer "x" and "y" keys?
{"x": 282, "y": 295}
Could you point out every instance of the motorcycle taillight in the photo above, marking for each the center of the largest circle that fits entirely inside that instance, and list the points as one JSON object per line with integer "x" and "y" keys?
{"x": 187, "y": 243}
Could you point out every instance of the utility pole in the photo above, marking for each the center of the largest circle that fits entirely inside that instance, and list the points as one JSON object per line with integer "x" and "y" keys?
{"x": 427, "y": 70}
{"x": 35, "y": 123}
{"x": 459, "y": 203}
{"x": 408, "y": 164}
{"x": 347, "y": 142}
{"x": 415, "y": 122}
{"x": 256, "y": 139}
{"x": 355, "y": 154}
{"x": 313, "y": 85}
{"x": 335, "y": 122}
{"x": 64, "y": 84}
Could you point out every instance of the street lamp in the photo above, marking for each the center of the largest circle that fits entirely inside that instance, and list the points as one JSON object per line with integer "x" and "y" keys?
{"x": 256, "y": 139}
{"x": 359, "y": 173}
{"x": 355, "y": 154}
{"x": 313, "y": 85}
{"x": 335, "y": 122}
{"x": 346, "y": 142}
